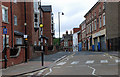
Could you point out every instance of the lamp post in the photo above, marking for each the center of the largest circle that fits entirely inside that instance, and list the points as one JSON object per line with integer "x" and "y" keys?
{"x": 25, "y": 24}
{"x": 59, "y": 25}
{"x": 41, "y": 30}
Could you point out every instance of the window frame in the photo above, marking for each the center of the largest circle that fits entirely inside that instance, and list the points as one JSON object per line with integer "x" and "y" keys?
{"x": 5, "y": 16}
{"x": 15, "y": 20}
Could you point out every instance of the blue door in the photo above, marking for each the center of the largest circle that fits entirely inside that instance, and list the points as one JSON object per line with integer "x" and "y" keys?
{"x": 80, "y": 46}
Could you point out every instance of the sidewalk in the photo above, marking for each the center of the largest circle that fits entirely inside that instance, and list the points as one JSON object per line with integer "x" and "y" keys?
{"x": 33, "y": 64}
{"x": 24, "y": 68}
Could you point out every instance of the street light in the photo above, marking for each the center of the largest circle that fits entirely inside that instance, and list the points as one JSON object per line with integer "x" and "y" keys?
{"x": 41, "y": 29}
{"x": 59, "y": 25}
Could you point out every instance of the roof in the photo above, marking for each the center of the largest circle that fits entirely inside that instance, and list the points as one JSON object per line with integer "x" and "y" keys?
{"x": 92, "y": 8}
{"x": 18, "y": 33}
{"x": 46, "y": 8}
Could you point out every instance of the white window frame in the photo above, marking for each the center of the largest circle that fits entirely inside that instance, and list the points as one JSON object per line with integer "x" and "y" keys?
{"x": 15, "y": 1}
{"x": 92, "y": 26}
{"x": 7, "y": 41}
{"x": 15, "y": 20}
{"x": 104, "y": 21}
{"x": 100, "y": 22}
{"x": 4, "y": 16}
{"x": 35, "y": 43}
{"x": 19, "y": 41}
{"x": 95, "y": 24}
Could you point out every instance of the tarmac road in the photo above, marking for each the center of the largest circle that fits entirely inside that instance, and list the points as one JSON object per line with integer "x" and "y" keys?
{"x": 84, "y": 64}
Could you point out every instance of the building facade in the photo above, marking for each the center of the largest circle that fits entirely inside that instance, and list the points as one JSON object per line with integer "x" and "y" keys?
{"x": 83, "y": 33}
{"x": 66, "y": 42}
{"x": 113, "y": 25}
{"x": 75, "y": 39}
{"x": 96, "y": 27}
{"x": 100, "y": 19}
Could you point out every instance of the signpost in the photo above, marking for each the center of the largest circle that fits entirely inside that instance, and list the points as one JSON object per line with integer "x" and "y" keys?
{"x": 5, "y": 55}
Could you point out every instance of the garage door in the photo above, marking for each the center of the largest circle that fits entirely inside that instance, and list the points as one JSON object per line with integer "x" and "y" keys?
{"x": 95, "y": 41}
{"x": 102, "y": 43}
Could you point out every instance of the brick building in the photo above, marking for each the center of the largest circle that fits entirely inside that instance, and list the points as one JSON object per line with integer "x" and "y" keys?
{"x": 16, "y": 30}
{"x": 100, "y": 19}
{"x": 67, "y": 42}
{"x": 83, "y": 31}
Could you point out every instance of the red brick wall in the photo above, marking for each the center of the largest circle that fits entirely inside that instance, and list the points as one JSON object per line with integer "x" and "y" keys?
{"x": 75, "y": 30}
{"x": 0, "y": 35}
{"x": 47, "y": 26}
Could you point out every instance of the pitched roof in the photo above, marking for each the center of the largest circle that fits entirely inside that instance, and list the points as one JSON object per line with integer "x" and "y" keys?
{"x": 46, "y": 8}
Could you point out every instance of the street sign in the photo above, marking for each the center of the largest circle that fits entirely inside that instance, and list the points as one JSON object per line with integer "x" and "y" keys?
{"x": 25, "y": 36}
{"x": 4, "y": 30}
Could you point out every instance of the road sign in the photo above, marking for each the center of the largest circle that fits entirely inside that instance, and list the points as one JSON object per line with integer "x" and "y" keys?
{"x": 4, "y": 30}
{"x": 25, "y": 36}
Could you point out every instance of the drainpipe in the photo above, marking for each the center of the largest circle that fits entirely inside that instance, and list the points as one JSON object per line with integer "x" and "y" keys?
{"x": 11, "y": 24}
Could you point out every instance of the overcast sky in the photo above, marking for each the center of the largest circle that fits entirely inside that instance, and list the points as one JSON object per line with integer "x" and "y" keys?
{"x": 74, "y": 11}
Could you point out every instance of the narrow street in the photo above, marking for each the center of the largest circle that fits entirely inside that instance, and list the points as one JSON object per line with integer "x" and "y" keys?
{"x": 98, "y": 64}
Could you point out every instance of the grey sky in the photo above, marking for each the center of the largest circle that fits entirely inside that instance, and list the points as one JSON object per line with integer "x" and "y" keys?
{"x": 74, "y": 11}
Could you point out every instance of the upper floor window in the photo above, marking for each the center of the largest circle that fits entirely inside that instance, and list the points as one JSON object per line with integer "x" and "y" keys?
{"x": 92, "y": 26}
{"x": 104, "y": 20}
{"x": 95, "y": 24}
{"x": 99, "y": 9}
{"x": 4, "y": 14}
{"x": 19, "y": 41}
{"x": 15, "y": 20}
{"x": 15, "y": 1}
{"x": 95, "y": 14}
{"x": 103, "y": 5}
{"x": 100, "y": 22}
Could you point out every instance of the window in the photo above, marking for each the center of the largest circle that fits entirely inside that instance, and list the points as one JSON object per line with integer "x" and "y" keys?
{"x": 15, "y": 1}
{"x": 19, "y": 41}
{"x": 100, "y": 21}
{"x": 95, "y": 23}
{"x": 35, "y": 43}
{"x": 95, "y": 14}
{"x": 92, "y": 26}
{"x": 45, "y": 41}
{"x": 4, "y": 13}
{"x": 99, "y": 9}
{"x": 39, "y": 43}
{"x": 103, "y": 5}
{"x": 15, "y": 20}
{"x": 104, "y": 20}
{"x": 7, "y": 40}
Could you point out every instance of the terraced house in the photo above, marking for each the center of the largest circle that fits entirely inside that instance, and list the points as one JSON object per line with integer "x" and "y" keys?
{"x": 20, "y": 19}
{"x": 102, "y": 26}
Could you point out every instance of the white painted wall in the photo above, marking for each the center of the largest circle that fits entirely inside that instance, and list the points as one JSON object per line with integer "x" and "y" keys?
{"x": 75, "y": 42}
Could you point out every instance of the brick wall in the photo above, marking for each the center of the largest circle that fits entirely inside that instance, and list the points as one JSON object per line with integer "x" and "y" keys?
{"x": 47, "y": 26}
{"x": 75, "y": 30}
{"x": 0, "y": 35}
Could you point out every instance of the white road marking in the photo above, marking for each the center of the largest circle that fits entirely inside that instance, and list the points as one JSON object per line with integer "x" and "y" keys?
{"x": 89, "y": 61}
{"x": 41, "y": 72}
{"x": 103, "y": 55}
{"x": 59, "y": 59}
{"x": 49, "y": 72}
{"x": 93, "y": 73}
{"x": 62, "y": 63}
{"x": 75, "y": 62}
{"x": 56, "y": 67}
{"x": 104, "y": 61}
{"x": 117, "y": 61}
{"x": 111, "y": 57}
{"x": 69, "y": 66}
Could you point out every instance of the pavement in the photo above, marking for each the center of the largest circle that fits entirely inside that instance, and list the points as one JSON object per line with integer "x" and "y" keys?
{"x": 33, "y": 65}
